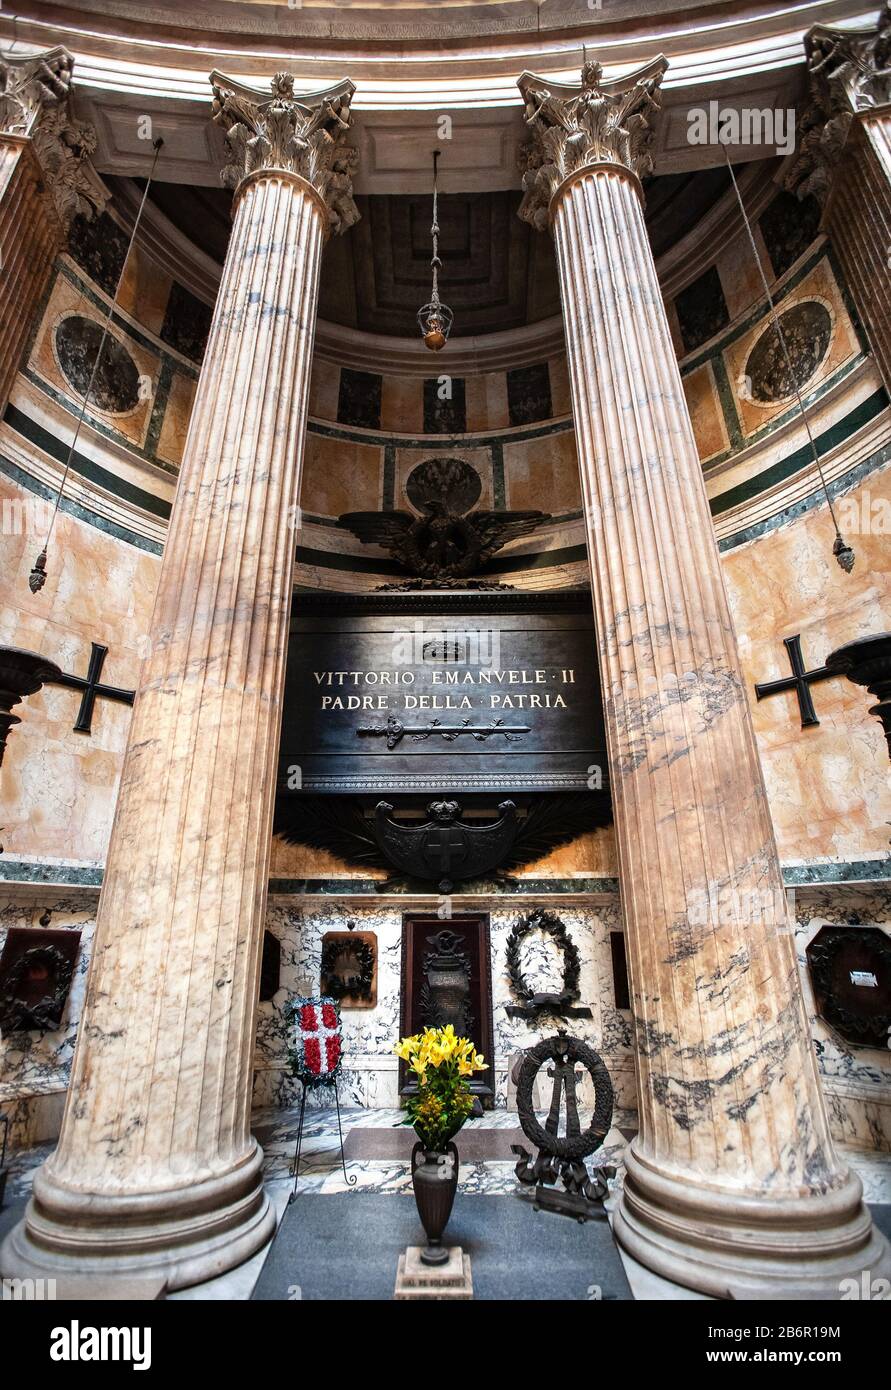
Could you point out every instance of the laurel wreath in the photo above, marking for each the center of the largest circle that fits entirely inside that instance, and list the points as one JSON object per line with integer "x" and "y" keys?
{"x": 353, "y": 986}
{"x": 567, "y": 1147}
{"x": 549, "y": 923}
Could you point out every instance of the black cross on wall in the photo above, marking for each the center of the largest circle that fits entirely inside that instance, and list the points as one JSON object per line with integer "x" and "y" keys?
{"x": 800, "y": 681}
{"x": 91, "y": 689}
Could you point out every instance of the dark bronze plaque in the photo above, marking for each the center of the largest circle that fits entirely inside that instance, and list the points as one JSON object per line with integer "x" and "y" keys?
{"x": 449, "y": 692}
{"x": 446, "y": 978}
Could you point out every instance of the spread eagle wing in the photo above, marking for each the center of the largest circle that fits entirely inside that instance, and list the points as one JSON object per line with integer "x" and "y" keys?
{"x": 331, "y": 823}
{"x": 554, "y": 821}
{"x": 488, "y": 844}
{"x": 387, "y": 529}
{"x": 402, "y": 845}
{"x": 497, "y": 528}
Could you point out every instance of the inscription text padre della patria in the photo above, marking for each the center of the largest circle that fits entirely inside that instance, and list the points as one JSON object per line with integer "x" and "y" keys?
{"x": 492, "y": 695}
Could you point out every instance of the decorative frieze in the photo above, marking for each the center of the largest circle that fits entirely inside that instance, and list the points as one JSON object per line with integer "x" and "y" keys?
{"x": 304, "y": 135}
{"x": 571, "y": 128}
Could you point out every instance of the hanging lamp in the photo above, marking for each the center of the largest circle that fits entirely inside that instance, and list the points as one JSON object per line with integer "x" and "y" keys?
{"x": 435, "y": 318}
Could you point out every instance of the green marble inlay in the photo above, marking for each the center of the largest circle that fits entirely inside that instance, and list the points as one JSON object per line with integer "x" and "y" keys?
{"x": 794, "y": 875}
{"x": 830, "y": 439}
{"x": 90, "y": 518}
{"x": 498, "y": 491}
{"x": 807, "y": 504}
{"x": 86, "y": 467}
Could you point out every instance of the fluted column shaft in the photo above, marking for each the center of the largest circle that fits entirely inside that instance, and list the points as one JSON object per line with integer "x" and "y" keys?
{"x": 31, "y": 236}
{"x": 733, "y": 1173}
{"x": 156, "y": 1166}
{"x": 858, "y": 219}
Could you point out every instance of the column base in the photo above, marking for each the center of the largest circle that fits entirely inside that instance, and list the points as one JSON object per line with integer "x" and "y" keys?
{"x": 105, "y": 1246}
{"x": 732, "y": 1245}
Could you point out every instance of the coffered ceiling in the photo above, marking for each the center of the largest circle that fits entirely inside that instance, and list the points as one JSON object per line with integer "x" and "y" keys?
{"x": 497, "y": 273}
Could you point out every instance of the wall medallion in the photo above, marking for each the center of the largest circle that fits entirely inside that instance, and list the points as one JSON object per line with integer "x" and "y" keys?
{"x": 36, "y": 970}
{"x": 349, "y": 968}
{"x": 561, "y": 1005}
{"x": 850, "y": 970}
{"x": 116, "y": 384}
{"x": 807, "y": 329}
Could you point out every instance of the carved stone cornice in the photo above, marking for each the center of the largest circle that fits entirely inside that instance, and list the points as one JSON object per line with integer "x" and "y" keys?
{"x": 575, "y": 127}
{"x": 849, "y": 74}
{"x": 35, "y": 101}
{"x": 303, "y": 135}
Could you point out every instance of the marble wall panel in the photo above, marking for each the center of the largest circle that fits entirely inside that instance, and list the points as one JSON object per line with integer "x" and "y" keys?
{"x": 370, "y": 1077}
{"x": 402, "y": 404}
{"x": 856, "y": 1080}
{"x": 561, "y": 400}
{"x": 324, "y": 389}
{"x": 486, "y": 401}
{"x": 34, "y": 1066}
{"x": 175, "y": 423}
{"x": 542, "y": 474}
{"x": 340, "y": 476}
{"x": 706, "y": 414}
{"x": 701, "y": 309}
{"x": 145, "y": 291}
{"x": 828, "y": 785}
{"x": 739, "y": 274}
{"x": 59, "y": 786}
{"x": 788, "y": 227}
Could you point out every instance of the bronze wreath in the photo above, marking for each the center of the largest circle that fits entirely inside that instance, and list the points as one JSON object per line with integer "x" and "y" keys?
{"x": 566, "y": 1147}
{"x": 45, "y": 1015}
{"x": 352, "y": 986}
{"x": 551, "y": 925}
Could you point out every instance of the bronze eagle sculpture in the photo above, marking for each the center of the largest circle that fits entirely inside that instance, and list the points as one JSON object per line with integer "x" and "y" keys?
{"x": 446, "y": 542}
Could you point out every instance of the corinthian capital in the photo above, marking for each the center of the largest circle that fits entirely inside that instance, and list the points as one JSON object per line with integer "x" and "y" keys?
{"x": 35, "y": 100}
{"x": 305, "y": 135}
{"x": 31, "y": 84}
{"x": 849, "y": 72}
{"x": 600, "y": 122}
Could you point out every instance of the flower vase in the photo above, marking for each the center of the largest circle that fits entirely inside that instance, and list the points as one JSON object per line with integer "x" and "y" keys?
{"x": 434, "y": 1176}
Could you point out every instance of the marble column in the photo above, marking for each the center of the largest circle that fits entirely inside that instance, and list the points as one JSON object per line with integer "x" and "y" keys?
{"x": 844, "y": 159}
{"x": 156, "y": 1174}
{"x": 732, "y": 1186}
{"x": 44, "y": 180}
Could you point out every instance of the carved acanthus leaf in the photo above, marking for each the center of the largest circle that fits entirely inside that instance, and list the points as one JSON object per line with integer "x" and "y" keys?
{"x": 31, "y": 83}
{"x": 35, "y": 100}
{"x": 601, "y": 122}
{"x": 849, "y": 71}
{"x": 305, "y": 135}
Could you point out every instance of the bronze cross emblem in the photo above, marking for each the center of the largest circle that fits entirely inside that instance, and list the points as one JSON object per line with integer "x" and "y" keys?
{"x": 800, "y": 681}
{"x": 91, "y": 689}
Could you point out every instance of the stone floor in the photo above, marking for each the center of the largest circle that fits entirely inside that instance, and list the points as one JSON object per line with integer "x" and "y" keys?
{"x": 321, "y": 1172}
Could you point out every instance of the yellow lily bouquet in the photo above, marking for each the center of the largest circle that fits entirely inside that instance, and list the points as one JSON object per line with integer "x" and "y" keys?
{"x": 442, "y": 1063}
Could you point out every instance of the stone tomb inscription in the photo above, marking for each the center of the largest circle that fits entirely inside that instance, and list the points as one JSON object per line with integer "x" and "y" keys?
{"x": 495, "y": 698}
